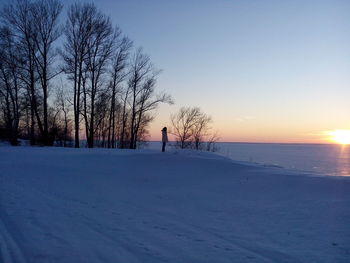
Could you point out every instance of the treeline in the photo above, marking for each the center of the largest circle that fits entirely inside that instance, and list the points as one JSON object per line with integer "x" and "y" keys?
{"x": 64, "y": 81}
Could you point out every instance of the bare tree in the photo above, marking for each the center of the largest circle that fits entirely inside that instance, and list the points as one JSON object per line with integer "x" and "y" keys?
{"x": 123, "y": 122}
{"x": 10, "y": 88}
{"x": 211, "y": 142}
{"x": 147, "y": 102}
{"x": 99, "y": 50}
{"x": 191, "y": 127}
{"x": 78, "y": 30}
{"x": 118, "y": 75}
{"x": 142, "y": 94}
{"x": 112, "y": 95}
{"x": 183, "y": 124}
{"x": 18, "y": 17}
{"x": 62, "y": 116}
{"x": 101, "y": 119}
{"x": 140, "y": 68}
{"x": 200, "y": 130}
{"x": 45, "y": 14}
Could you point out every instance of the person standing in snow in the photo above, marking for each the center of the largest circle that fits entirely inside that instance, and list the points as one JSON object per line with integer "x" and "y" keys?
{"x": 164, "y": 138}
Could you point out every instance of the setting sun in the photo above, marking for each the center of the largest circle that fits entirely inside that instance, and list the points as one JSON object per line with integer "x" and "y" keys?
{"x": 340, "y": 136}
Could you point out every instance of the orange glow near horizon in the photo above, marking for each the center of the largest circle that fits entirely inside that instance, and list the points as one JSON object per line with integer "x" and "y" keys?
{"x": 258, "y": 132}
{"x": 264, "y": 127}
{"x": 267, "y": 127}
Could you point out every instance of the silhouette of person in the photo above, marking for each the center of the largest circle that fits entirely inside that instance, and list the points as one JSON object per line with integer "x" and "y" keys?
{"x": 164, "y": 138}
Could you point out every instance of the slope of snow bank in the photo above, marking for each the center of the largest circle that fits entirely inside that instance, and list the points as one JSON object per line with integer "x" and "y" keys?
{"x": 81, "y": 205}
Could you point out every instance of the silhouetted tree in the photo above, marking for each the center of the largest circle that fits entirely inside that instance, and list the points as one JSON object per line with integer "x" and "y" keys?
{"x": 10, "y": 86}
{"x": 62, "y": 120}
{"x": 211, "y": 142}
{"x": 191, "y": 128}
{"x": 78, "y": 31}
{"x": 45, "y": 14}
{"x": 142, "y": 94}
{"x": 118, "y": 74}
{"x": 99, "y": 50}
{"x": 34, "y": 28}
{"x": 200, "y": 130}
{"x": 112, "y": 95}
{"x": 18, "y": 17}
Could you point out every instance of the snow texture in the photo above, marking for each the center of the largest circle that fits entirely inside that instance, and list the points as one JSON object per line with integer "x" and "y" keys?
{"x": 99, "y": 205}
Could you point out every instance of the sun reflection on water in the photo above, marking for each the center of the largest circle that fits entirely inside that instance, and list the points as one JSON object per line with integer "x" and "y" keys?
{"x": 344, "y": 160}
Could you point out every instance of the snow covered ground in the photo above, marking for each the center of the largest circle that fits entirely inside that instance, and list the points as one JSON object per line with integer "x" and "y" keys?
{"x": 98, "y": 205}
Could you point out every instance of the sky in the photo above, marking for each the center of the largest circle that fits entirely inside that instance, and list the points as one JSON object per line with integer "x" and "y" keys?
{"x": 265, "y": 71}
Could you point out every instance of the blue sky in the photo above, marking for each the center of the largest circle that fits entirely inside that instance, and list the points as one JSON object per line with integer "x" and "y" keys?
{"x": 264, "y": 70}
